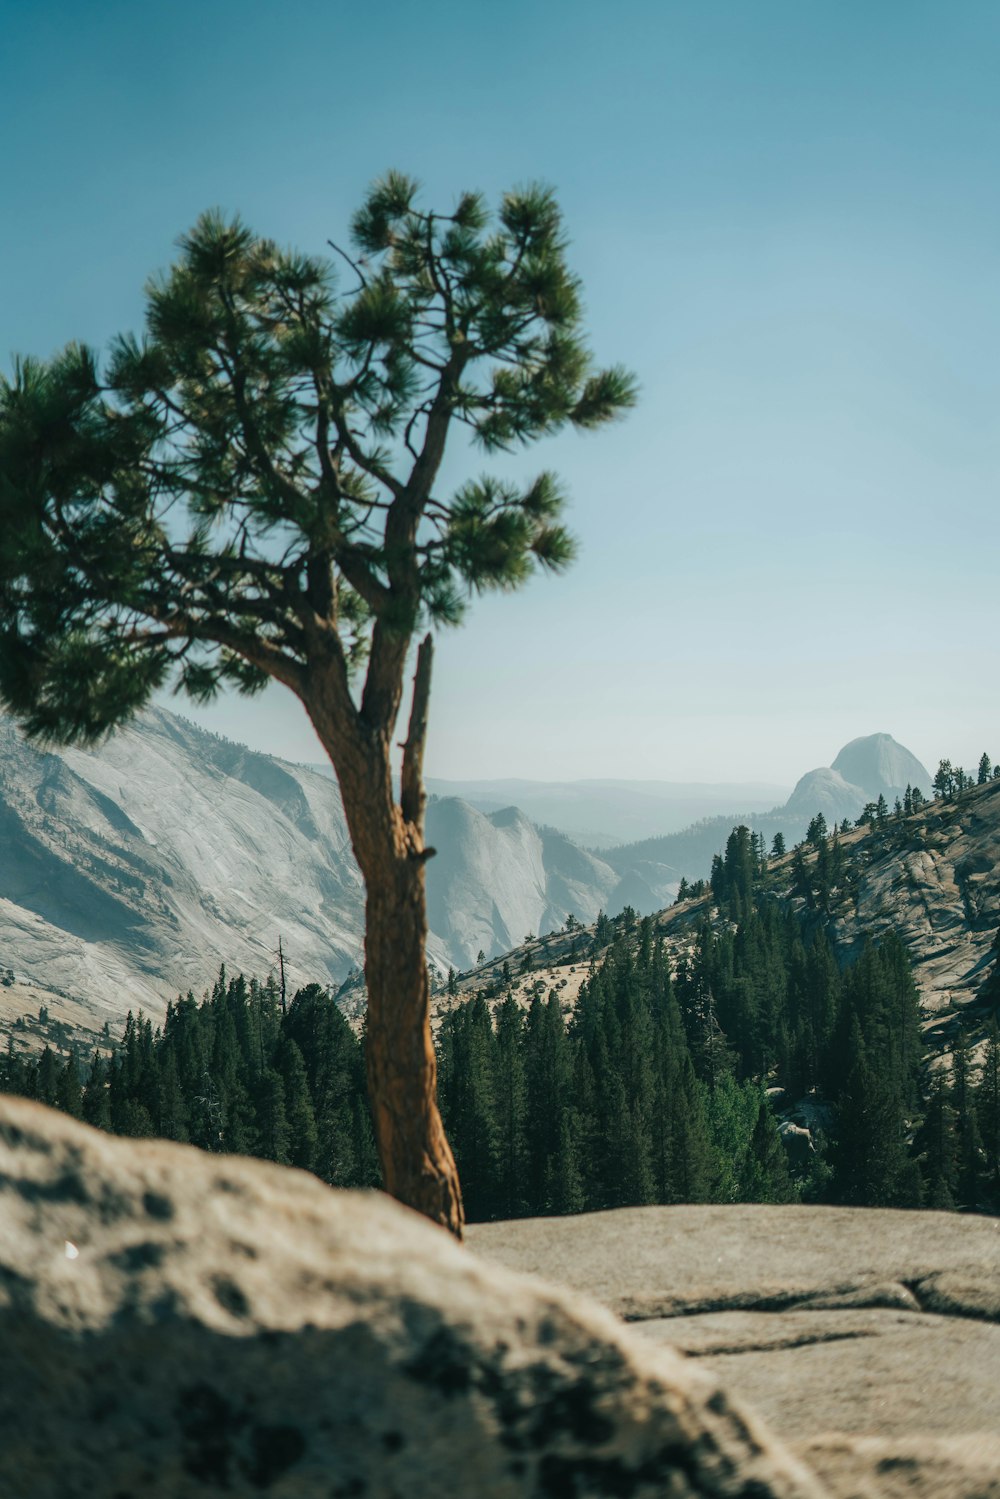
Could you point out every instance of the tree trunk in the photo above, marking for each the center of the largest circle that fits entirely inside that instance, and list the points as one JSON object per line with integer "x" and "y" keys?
{"x": 417, "y": 1164}
{"x": 388, "y": 841}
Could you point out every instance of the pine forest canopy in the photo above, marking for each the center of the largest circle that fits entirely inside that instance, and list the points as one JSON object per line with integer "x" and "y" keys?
{"x": 250, "y": 492}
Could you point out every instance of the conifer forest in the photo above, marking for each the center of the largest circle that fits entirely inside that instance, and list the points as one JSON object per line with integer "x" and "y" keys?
{"x": 665, "y": 1083}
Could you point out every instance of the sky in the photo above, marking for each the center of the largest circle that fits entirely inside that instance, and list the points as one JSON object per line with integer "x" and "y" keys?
{"x": 786, "y": 218}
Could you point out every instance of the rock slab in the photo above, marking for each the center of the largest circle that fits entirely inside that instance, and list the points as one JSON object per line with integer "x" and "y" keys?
{"x": 180, "y": 1324}
{"x": 869, "y": 1339}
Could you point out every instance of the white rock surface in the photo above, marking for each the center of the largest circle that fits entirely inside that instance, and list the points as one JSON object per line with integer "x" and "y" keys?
{"x": 131, "y": 871}
{"x": 868, "y": 1338}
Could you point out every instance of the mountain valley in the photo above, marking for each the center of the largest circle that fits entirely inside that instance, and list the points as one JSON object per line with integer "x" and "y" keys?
{"x": 130, "y": 872}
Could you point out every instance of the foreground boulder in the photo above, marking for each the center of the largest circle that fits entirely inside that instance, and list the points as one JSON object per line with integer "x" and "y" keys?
{"x": 180, "y": 1324}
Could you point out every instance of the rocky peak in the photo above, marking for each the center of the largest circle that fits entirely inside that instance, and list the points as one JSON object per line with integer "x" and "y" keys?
{"x": 881, "y": 766}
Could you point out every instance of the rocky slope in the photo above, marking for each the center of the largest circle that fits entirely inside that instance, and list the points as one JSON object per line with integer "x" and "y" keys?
{"x": 129, "y": 872}
{"x": 940, "y": 891}
{"x": 496, "y": 877}
{"x": 862, "y": 771}
{"x": 942, "y": 894}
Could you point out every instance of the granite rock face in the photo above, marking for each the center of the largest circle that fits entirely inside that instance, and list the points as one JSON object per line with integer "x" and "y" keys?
{"x": 180, "y": 1324}
{"x": 868, "y": 1339}
{"x": 943, "y": 898}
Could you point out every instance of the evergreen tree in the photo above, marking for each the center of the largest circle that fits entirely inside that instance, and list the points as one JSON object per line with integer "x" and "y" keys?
{"x": 871, "y": 1163}
{"x": 96, "y": 1102}
{"x": 767, "y": 1178}
{"x": 511, "y": 1110}
{"x": 968, "y": 1141}
{"x": 988, "y": 1110}
{"x": 733, "y": 1109}
{"x": 69, "y": 1092}
{"x": 299, "y": 1113}
{"x": 173, "y": 1109}
{"x": 944, "y": 779}
{"x": 547, "y": 1072}
{"x": 938, "y": 1147}
{"x": 297, "y": 435}
{"x": 817, "y": 830}
{"x": 272, "y": 1132}
{"x": 47, "y": 1078}
{"x": 469, "y": 1105}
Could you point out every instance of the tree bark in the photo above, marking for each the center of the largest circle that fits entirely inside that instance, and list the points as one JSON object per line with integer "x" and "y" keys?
{"x": 417, "y": 1164}
{"x": 418, "y": 1167}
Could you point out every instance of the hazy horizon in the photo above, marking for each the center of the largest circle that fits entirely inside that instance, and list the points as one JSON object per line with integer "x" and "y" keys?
{"x": 786, "y": 223}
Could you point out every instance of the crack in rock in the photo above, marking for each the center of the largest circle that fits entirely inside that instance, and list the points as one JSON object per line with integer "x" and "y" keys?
{"x": 920, "y": 1294}
{"x": 779, "y": 1345}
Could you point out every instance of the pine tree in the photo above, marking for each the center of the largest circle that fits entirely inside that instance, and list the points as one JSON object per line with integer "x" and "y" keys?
{"x": 299, "y": 1113}
{"x": 733, "y": 1110}
{"x": 511, "y": 1110}
{"x": 969, "y": 1142}
{"x": 96, "y": 1102}
{"x": 767, "y": 1176}
{"x": 173, "y": 1108}
{"x": 871, "y": 1162}
{"x": 69, "y": 1093}
{"x": 298, "y": 435}
{"x": 988, "y": 1109}
{"x": 47, "y": 1078}
{"x": 272, "y": 1132}
{"x": 938, "y": 1147}
{"x": 468, "y": 1103}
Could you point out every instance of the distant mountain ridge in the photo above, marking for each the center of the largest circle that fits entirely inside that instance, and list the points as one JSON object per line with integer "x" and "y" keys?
{"x": 872, "y": 759}
{"x": 864, "y": 770}
{"x": 129, "y": 872}
{"x": 603, "y": 813}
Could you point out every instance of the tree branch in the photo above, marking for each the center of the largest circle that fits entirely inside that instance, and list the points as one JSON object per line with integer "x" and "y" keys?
{"x": 412, "y": 797}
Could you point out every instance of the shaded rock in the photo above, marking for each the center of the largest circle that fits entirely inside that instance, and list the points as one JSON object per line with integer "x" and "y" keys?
{"x": 797, "y": 1141}
{"x": 824, "y": 790}
{"x": 176, "y": 1323}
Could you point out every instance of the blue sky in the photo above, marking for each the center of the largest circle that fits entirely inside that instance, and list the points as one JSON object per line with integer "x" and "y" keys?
{"x": 786, "y": 219}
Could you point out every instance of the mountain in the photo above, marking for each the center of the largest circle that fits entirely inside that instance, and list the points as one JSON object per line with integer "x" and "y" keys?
{"x": 861, "y": 772}
{"x": 878, "y": 764}
{"x": 129, "y": 872}
{"x": 932, "y": 877}
{"x": 497, "y": 877}
{"x": 825, "y": 790}
{"x": 599, "y": 813}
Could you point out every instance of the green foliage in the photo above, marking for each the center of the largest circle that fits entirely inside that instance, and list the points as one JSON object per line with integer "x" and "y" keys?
{"x": 654, "y": 1090}
{"x": 228, "y": 1073}
{"x": 266, "y": 455}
